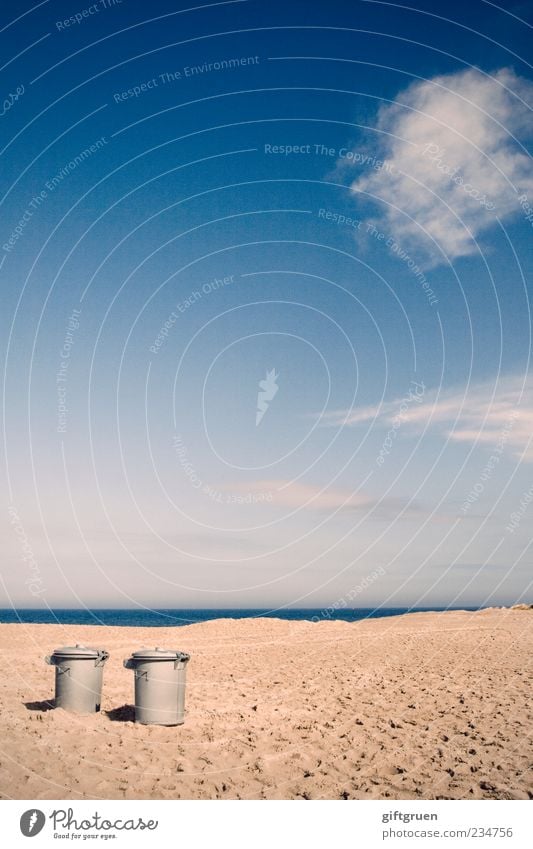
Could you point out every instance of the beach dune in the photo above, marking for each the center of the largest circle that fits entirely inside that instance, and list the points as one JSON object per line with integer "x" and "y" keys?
{"x": 421, "y": 706}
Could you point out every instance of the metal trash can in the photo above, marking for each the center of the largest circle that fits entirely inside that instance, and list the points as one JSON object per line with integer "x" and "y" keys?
{"x": 159, "y": 685}
{"x": 79, "y": 672}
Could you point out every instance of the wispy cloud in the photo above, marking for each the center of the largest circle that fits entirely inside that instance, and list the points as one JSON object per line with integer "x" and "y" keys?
{"x": 454, "y": 158}
{"x": 296, "y": 495}
{"x": 480, "y": 414}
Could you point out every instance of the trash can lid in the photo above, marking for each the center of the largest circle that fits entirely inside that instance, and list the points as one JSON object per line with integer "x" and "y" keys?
{"x": 159, "y": 654}
{"x": 77, "y": 651}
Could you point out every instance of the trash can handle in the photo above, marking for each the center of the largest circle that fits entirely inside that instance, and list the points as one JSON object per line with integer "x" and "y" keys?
{"x": 141, "y": 673}
{"x": 102, "y": 657}
{"x": 51, "y": 660}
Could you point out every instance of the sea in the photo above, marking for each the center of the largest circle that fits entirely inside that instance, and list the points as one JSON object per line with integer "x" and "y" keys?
{"x": 171, "y": 617}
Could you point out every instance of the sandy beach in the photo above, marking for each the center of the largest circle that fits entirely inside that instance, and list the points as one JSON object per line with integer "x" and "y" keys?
{"x": 421, "y": 706}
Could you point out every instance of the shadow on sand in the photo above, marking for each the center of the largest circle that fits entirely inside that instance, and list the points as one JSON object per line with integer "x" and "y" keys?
{"x": 124, "y": 713}
{"x": 48, "y": 704}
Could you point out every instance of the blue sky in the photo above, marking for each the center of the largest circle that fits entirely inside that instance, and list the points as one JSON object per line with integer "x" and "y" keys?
{"x": 325, "y": 209}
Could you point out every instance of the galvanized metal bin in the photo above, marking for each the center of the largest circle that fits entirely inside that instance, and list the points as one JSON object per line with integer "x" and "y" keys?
{"x": 79, "y": 672}
{"x": 159, "y": 685}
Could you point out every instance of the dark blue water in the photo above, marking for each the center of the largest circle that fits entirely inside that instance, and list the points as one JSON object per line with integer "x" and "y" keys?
{"x": 187, "y": 617}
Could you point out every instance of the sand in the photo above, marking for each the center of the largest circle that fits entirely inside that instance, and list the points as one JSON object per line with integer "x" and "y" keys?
{"x": 422, "y": 706}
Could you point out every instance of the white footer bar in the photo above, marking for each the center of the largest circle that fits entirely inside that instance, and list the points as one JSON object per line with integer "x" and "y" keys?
{"x": 268, "y": 825}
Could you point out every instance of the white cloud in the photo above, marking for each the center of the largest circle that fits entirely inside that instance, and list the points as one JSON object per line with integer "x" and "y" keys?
{"x": 453, "y": 140}
{"x": 470, "y": 415}
{"x": 296, "y": 495}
